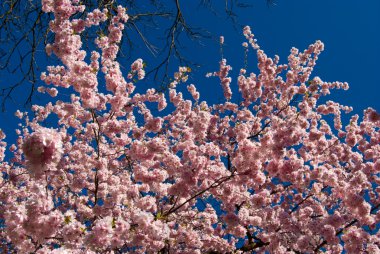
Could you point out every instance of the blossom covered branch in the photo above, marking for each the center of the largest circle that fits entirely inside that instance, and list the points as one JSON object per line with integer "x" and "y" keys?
{"x": 266, "y": 173}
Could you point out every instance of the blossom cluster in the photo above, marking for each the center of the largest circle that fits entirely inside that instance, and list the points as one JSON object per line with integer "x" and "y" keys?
{"x": 276, "y": 172}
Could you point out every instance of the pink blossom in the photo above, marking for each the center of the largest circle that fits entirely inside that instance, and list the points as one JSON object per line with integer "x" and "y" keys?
{"x": 263, "y": 171}
{"x": 42, "y": 147}
{"x": 221, "y": 40}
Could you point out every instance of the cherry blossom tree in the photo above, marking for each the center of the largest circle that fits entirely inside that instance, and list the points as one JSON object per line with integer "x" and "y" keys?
{"x": 266, "y": 173}
{"x": 24, "y": 31}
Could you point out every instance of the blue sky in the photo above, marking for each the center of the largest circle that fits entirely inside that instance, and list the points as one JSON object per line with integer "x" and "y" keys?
{"x": 349, "y": 30}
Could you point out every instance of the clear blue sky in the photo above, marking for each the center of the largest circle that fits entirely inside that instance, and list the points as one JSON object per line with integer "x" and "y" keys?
{"x": 350, "y": 30}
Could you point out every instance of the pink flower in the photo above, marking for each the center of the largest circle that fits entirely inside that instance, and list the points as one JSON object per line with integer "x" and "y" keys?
{"x": 42, "y": 147}
{"x": 198, "y": 179}
{"x": 221, "y": 40}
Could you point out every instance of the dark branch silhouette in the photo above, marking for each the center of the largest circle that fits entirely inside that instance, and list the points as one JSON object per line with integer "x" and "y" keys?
{"x": 24, "y": 33}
